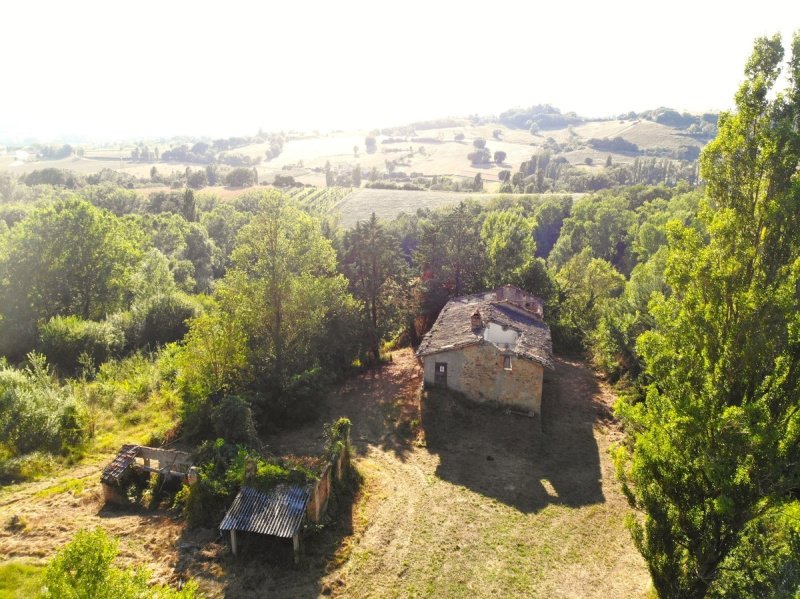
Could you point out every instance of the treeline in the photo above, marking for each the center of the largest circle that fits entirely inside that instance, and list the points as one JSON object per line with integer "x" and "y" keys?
{"x": 543, "y": 117}
{"x": 217, "y": 151}
{"x": 543, "y": 173}
{"x": 540, "y": 117}
{"x": 14, "y": 188}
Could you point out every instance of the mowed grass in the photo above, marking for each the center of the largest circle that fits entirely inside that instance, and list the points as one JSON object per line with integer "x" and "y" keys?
{"x": 20, "y": 580}
{"x": 487, "y": 504}
{"x": 455, "y": 542}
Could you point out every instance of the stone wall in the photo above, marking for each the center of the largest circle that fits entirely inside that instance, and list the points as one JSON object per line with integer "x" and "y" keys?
{"x": 321, "y": 491}
{"x": 477, "y": 371}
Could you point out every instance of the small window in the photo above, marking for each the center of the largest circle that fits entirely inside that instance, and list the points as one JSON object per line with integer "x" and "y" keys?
{"x": 507, "y": 362}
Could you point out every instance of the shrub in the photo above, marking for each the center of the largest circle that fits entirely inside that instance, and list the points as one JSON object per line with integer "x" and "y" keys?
{"x": 64, "y": 339}
{"x": 83, "y": 568}
{"x": 163, "y": 319}
{"x": 337, "y": 435}
{"x": 480, "y": 156}
{"x": 26, "y": 467}
{"x": 616, "y": 144}
{"x": 232, "y": 419}
{"x": 240, "y": 177}
{"x": 296, "y": 403}
{"x": 36, "y": 413}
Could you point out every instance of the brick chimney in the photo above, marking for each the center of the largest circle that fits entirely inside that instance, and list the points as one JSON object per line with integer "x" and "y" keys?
{"x": 476, "y": 321}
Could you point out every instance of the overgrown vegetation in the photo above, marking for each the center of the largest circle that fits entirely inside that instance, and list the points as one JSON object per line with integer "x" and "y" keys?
{"x": 224, "y": 468}
{"x": 84, "y": 568}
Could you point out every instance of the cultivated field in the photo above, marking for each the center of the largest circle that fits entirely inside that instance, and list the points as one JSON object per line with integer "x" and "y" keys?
{"x": 388, "y": 203}
{"x": 454, "y": 501}
{"x": 428, "y": 152}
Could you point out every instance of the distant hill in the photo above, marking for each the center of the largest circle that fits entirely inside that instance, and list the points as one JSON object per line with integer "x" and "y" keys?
{"x": 438, "y": 154}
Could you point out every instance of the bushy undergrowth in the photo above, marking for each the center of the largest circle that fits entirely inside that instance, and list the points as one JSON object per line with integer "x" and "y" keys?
{"x": 44, "y": 421}
{"x": 223, "y": 468}
{"x": 69, "y": 340}
{"x": 84, "y": 568}
{"x": 37, "y": 413}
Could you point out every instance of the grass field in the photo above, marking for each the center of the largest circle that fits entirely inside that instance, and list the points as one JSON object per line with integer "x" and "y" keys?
{"x": 388, "y": 203}
{"x": 20, "y": 580}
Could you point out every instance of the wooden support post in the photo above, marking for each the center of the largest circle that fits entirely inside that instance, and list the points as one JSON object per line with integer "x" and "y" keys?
{"x": 233, "y": 541}
{"x": 147, "y": 462}
{"x": 296, "y": 543}
{"x": 317, "y": 506}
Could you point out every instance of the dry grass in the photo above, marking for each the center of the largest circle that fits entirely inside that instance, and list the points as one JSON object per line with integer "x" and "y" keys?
{"x": 455, "y": 501}
{"x": 487, "y": 505}
{"x": 388, "y": 203}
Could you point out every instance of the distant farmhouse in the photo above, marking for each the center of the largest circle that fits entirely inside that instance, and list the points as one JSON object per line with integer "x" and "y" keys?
{"x": 491, "y": 346}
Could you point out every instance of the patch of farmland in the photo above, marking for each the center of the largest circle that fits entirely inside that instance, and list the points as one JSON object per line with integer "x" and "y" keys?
{"x": 388, "y": 203}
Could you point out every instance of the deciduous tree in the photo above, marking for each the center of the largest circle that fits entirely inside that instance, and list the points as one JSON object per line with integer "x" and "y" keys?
{"x": 715, "y": 447}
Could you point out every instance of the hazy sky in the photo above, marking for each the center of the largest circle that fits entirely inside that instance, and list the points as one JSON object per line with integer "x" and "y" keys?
{"x": 115, "y": 69}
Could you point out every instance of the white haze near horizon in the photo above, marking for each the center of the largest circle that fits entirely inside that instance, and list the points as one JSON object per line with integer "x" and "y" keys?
{"x": 109, "y": 69}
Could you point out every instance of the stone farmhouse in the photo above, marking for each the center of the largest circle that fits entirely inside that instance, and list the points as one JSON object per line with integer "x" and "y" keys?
{"x": 491, "y": 346}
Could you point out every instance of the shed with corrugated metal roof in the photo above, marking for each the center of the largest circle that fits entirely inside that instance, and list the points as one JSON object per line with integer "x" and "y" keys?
{"x": 279, "y": 512}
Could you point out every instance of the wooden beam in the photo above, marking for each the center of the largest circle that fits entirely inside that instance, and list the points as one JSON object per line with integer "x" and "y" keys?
{"x": 233, "y": 541}
{"x": 296, "y": 543}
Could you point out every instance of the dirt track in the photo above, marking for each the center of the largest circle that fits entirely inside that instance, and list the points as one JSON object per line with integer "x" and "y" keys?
{"x": 456, "y": 500}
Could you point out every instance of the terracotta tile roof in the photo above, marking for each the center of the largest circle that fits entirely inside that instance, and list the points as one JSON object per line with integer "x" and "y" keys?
{"x": 278, "y": 512}
{"x": 453, "y": 328}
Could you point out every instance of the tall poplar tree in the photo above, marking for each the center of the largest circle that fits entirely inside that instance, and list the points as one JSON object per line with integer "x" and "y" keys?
{"x": 713, "y": 459}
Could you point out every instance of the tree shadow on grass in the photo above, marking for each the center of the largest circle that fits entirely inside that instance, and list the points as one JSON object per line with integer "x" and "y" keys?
{"x": 382, "y": 405}
{"x": 523, "y": 462}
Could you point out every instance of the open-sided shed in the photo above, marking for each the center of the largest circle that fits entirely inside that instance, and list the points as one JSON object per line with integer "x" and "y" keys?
{"x": 278, "y": 512}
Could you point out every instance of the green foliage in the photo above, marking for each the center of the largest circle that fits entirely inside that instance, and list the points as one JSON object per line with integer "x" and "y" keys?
{"x": 162, "y": 319}
{"x": 223, "y": 468}
{"x": 29, "y": 466}
{"x": 240, "y": 177}
{"x": 510, "y": 246}
{"x": 587, "y": 285}
{"x": 67, "y": 258}
{"x": 83, "y": 570}
{"x": 550, "y": 217}
{"x": 372, "y": 262}
{"x": 713, "y": 450}
{"x": 213, "y": 360}
{"x": 67, "y": 341}
{"x": 337, "y": 436}
{"x": 36, "y": 413}
{"x": 616, "y": 144}
{"x": 232, "y": 419}
{"x": 599, "y": 223}
{"x": 481, "y": 156}
{"x": 281, "y": 288}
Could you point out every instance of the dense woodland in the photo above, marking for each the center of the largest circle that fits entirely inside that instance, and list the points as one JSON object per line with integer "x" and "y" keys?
{"x": 200, "y": 319}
